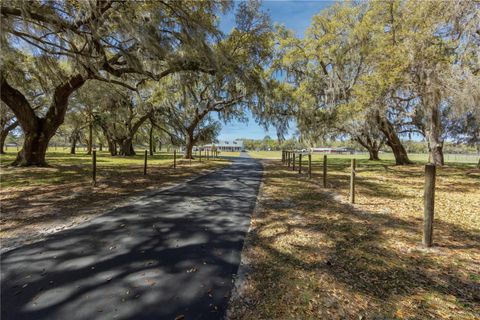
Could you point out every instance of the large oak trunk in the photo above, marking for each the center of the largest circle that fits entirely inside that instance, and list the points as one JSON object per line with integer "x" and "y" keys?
{"x": 372, "y": 145}
{"x": 34, "y": 149}
{"x": 189, "y": 146}
{"x": 112, "y": 147}
{"x": 393, "y": 141}
{"x": 126, "y": 147}
{"x": 73, "y": 146}
{"x": 373, "y": 154}
{"x": 38, "y": 131}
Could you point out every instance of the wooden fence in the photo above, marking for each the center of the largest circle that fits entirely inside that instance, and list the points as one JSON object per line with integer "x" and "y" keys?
{"x": 289, "y": 159}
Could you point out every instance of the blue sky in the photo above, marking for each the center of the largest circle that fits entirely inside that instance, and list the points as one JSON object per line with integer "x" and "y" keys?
{"x": 295, "y": 15}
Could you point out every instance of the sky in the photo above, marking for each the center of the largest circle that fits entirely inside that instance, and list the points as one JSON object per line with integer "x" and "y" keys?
{"x": 295, "y": 15}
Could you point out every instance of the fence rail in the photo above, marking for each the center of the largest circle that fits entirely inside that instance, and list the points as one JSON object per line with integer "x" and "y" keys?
{"x": 288, "y": 158}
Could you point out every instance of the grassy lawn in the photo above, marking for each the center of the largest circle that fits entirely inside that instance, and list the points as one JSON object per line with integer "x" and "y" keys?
{"x": 416, "y": 157}
{"x": 65, "y": 167}
{"x": 34, "y": 198}
{"x": 314, "y": 256}
{"x": 229, "y": 154}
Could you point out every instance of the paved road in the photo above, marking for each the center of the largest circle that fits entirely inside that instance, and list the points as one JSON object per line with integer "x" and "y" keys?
{"x": 172, "y": 253}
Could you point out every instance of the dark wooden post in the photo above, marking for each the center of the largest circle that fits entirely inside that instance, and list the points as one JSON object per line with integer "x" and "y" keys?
{"x": 94, "y": 168}
{"x": 208, "y": 154}
{"x": 310, "y": 165}
{"x": 289, "y": 159}
{"x": 174, "y": 158}
{"x": 352, "y": 182}
{"x": 145, "y": 164}
{"x": 429, "y": 201}
{"x": 324, "y": 170}
{"x": 300, "y": 163}
{"x": 293, "y": 161}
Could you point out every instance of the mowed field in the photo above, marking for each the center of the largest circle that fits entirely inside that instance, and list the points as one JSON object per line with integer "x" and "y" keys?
{"x": 416, "y": 157}
{"x": 312, "y": 255}
{"x": 38, "y": 199}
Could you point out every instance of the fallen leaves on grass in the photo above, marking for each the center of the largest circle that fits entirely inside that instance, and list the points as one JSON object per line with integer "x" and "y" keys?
{"x": 314, "y": 256}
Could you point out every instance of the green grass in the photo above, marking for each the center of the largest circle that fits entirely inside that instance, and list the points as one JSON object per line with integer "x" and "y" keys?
{"x": 35, "y": 198}
{"x": 229, "y": 154}
{"x": 103, "y": 157}
{"x": 384, "y": 157}
{"x": 312, "y": 256}
{"x": 65, "y": 167}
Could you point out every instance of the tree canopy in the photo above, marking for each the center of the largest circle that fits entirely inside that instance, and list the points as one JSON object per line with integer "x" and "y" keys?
{"x": 370, "y": 71}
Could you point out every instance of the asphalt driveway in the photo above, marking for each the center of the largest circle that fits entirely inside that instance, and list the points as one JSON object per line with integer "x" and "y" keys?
{"x": 171, "y": 254}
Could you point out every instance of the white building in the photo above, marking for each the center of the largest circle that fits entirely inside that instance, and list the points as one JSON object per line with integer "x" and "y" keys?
{"x": 225, "y": 145}
{"x": 331, "y": 150}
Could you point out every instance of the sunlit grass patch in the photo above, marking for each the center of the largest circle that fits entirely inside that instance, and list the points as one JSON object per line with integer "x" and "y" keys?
{"x": 316, "y": 257}
{"x": 35, "y": 198}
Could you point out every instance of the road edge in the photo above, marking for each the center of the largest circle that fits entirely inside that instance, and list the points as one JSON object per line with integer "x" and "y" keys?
{"x": 245, "y": 268}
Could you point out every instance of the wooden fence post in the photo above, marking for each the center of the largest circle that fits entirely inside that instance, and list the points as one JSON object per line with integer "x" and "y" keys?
{"x": 300, "y": 163}
{"x": 145, "y": 164}
{"x": 324, "y": 170}
{"x": 208, "y": 154}
{"x": 174, "y": 158}
{"x": 309, "y": 165}
{"x": 429, "y": 201}
{"x": 200, "y": 155}
{"x": 94, "y": 168}
{"x": 293, "y": 161}
{"x": 289, "y": 159}
{"x": 352, "y": 182}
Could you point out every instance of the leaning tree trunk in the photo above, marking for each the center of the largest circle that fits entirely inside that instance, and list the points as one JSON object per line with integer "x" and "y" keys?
{"x": 4, "y": 134}
{"x": 393, "y": 141}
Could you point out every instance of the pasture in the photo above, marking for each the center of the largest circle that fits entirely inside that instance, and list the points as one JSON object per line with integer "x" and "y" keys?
{"x": 314, "y": 255}
{"x": 35, "y": 199}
